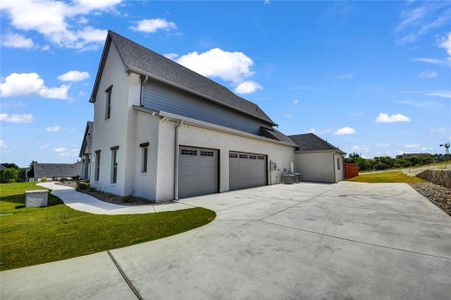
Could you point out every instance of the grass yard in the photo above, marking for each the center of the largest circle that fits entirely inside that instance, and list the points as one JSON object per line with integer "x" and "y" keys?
{"x": 385, "y": 177}
{"x": 30, "y": 236}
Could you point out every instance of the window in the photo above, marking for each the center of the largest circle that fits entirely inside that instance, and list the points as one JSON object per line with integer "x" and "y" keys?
{"x": 338, "y": 163}
{"x": 189, "y": 152}
{"x": 97, "y": 166}
{"x": 114, "y": 164}
{"x": 243, "y": 156}
{"x": 252, "y": 157}
{"x": 260, "y": 157}
{"x": 233, "y": 155}
{"x": 144, "y": 155}
{"x": 108, "y": 103}
{"x": 206, "y": 153}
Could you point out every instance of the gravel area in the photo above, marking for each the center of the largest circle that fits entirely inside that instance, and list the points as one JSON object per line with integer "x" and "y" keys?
{"x": 437, "y": 194}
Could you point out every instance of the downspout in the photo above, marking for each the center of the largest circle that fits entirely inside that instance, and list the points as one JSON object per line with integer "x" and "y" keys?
{"x": 335, "y": 167}
{"x": 141, "y": 95}
{"x": 176, "y": 160}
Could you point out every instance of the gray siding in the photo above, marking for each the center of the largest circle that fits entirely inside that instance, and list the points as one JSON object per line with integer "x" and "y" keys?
{"x": 162, "y": 97}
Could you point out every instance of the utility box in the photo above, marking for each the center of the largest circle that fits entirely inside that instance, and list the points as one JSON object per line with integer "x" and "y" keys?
{"x": 36, "y": 198}
{"x": 288, "y": 178}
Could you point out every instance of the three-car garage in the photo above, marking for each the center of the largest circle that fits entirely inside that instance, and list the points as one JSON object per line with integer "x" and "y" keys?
{"x": 198, "y": 172}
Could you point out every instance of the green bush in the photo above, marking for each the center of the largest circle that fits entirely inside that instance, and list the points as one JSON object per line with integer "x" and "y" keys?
{"x": 43, "y": 179}
{"x": 12, "y": 174}
{"x": 82, "y": 185}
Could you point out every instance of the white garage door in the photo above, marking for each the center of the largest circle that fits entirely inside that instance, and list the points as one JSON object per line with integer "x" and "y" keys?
{"x": 246, "y": 170}
{"x": 198, "y": 171}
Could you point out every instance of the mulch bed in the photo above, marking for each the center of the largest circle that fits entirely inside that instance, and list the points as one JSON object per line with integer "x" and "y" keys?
{"x": 110, "y": 198}
{"x": 437, "y": 194}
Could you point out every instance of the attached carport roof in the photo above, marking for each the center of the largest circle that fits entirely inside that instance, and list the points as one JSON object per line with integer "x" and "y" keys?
{"x": 312, "y": 142}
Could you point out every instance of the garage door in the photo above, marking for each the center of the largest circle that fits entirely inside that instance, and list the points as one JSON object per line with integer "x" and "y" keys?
{"x": 246, "y": 170}
{"x": 198, "y": 171}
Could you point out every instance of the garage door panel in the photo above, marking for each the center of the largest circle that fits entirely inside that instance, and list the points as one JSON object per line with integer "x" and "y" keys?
{"x": 246, "y": 170}
{"x": 198, "y": 171}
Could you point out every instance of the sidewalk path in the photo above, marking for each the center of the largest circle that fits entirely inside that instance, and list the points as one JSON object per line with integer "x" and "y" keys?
{"x": 83, "y": 202}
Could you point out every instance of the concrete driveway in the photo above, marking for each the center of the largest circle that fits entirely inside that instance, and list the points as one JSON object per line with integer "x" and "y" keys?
{"x": 304, "y": 241}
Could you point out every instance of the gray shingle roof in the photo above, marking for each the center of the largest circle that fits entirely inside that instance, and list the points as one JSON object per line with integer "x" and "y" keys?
{"x": 276, "y": 135}
{"x": 87, "y": 140}
{"x": 312, "y": 142}
{"x": 146, "y": 62}
{"x": 56, "y": 170}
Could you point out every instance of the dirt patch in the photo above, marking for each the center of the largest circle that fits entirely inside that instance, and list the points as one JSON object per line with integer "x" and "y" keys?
{"x": 437, "y": 194}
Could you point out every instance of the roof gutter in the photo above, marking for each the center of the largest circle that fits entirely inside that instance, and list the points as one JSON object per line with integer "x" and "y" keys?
{"x": 202, "y": 124}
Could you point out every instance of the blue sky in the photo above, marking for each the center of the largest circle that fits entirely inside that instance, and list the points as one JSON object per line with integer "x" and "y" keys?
{"x": 370, "y": 77}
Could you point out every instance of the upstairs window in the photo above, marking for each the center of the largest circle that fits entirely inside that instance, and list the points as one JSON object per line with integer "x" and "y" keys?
{"x": 108, "y": 92}
{"x": 113, "y": 179}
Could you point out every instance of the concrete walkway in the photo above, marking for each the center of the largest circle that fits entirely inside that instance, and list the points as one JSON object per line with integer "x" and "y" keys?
{"x": 303, "y": 241}
{"x": 83, "y": 202}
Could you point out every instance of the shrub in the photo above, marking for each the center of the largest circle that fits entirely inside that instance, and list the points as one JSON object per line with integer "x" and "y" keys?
{"x": 127, "y": 199}
{"x": 43, "y": 179}
{"x": 82, "y": 185}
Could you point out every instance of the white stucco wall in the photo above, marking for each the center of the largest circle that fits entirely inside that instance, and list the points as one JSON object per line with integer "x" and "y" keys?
{"x": 315, "y": 166}
{"x": 339, "y": 172}
{"x": 200, "y": 137}
{"x": 147, "y": 127}
{"x": 119, "y": 130}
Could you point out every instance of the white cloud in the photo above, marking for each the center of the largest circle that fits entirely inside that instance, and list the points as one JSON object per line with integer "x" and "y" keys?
{"x": 428, "y": 74}
{"x": 229, "y": 66}
{"x": 295, "y": 101}
{"x": 247, "y": 87}
{"x": 383, "y": 145}
{"x": 445, "y": 43}
{"x": 411, "y": 146}
{"x": 73, "y": 76}
{"x": 345, "y": 76}
{"x": 153, "y": 25}
{"x": 63, "y": 151}
{"x": 386, "y": 118}
{"x": 16, "y": 118}
{"x": 97, "y": 4}
{"x": 14, "y": 40}
{"x": 172, "y": 56}
{"x": 360, "y": 149}
{"x": 420, "y": 19}
{"x": 55, "y": 128}
{"x": 53, "y": 20}
{"x": 438, "y": 130}
{"x": 443, "y": 94}
{"x": 345, "y": 131}
{"x": 418, "y": 103}
{"x": 3, "y": 145}
{"x": 27, "y": 84}
{"x": 433, "y": 61}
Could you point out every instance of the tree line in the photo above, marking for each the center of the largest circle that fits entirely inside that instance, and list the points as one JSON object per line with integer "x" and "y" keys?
{"x": 400, "y": 161}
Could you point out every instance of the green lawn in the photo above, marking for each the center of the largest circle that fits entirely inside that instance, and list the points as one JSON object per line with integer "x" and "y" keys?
{"x": 30, "y": 236}
{"x": 385, "y": 177}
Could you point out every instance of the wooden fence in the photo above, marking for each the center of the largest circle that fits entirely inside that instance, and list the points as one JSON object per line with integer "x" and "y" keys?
{"x": 350, "y": 170}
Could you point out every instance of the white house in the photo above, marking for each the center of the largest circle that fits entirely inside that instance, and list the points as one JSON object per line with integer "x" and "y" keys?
{"x": 163, "y": 132}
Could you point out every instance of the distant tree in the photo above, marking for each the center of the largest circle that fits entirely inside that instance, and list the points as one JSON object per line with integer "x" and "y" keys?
{"x": 10, "y": 165}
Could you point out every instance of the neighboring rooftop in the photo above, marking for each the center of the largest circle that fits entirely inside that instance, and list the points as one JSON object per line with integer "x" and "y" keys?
{"x": 41, "y": 170}
{"x": 146, "y": 62}
{"x": 87, "y": 140}
{"x": 312, "y": 142}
